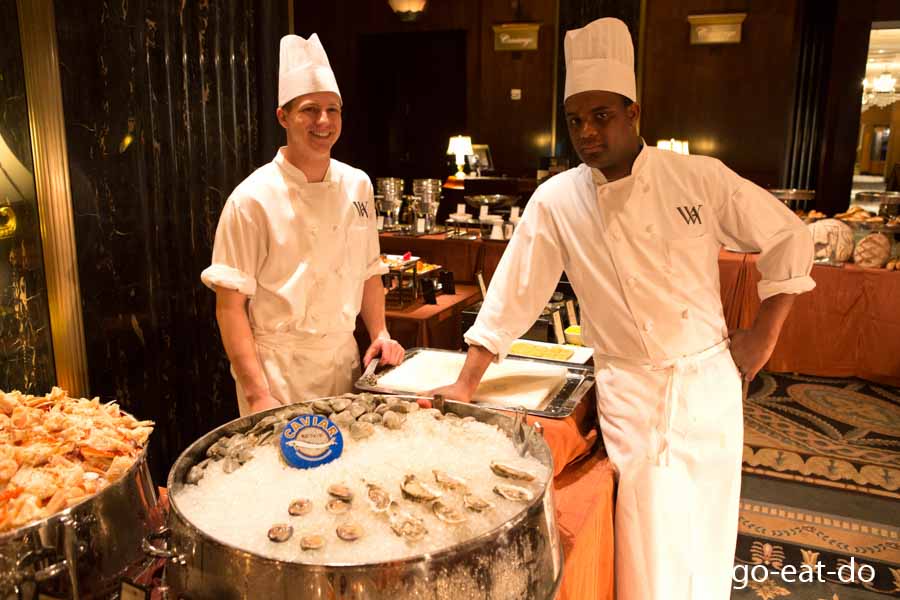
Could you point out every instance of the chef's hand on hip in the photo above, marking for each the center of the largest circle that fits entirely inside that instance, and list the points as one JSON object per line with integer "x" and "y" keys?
{"x": 750, "y": 351}
{"x": 390, "y": 351}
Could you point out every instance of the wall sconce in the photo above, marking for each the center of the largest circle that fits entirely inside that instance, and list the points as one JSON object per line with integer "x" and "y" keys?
{"x": 461, "y": 146}
{"x": 407, "y": 10}
{"x": 716, "y": 29}
{"x": 679, "y": 146}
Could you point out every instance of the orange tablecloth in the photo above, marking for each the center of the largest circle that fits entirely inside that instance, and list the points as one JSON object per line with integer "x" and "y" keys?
{"x": 849, "y": 325}
{"x": 584, "y": 495}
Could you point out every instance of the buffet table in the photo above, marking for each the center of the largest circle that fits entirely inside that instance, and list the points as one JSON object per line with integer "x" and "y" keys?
{"x": 432, "y": 325}
{"x": 848, "y": 326}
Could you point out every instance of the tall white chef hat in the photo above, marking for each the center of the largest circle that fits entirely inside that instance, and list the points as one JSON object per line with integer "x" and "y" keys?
{"x": 600, "y": 56}
{"x": 303, "y": 68}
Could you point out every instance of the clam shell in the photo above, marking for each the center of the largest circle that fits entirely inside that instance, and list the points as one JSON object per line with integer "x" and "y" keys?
{"x": 341, "y": 492}
{"x": 312, "y": 542}
{"x": 322, "y": 407}
{"x": 357, "y": 409}
{"x": 340, "y": 404}
{"x": 300, "y": 507}
{"x": 361, "y": 430}
{"x": 337, "y": 507}
{"x": 392, "y": 420}
{"x": 371, "y": 417}
{"x": 280, "y": 532}
{"x": 342, "y": 419}
{"x": 349, "y": 532}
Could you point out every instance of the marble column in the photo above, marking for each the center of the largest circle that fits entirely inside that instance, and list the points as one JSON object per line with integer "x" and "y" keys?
{"x": 161, "y": 124}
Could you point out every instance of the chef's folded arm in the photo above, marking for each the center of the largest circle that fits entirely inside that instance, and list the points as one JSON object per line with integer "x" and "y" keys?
{"x": 751, "y": 219}
{"x": 524, "y": 281}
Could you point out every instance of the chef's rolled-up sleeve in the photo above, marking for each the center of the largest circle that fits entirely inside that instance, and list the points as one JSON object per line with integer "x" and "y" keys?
{"x": 753, "y": 220}
{"x": 238, "y": 252}
{"x": 525, "y": 279}
{"x": 374, "y": 264}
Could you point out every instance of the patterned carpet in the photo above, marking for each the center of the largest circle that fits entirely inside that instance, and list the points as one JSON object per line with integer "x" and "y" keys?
{"x": 834, "y": 432}
{"x": 843, "y": 435}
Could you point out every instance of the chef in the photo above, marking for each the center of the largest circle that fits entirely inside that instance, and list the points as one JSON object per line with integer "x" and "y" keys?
{"x": 638, "y": 232}
{"x": 296, "y": 254}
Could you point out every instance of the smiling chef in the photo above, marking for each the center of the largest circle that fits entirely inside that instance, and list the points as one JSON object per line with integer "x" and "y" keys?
{"x": 296, "y": 254}
{"x": 638, "y": 232}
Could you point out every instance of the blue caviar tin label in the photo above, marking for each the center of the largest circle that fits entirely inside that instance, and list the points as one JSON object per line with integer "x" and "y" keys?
{"x": 311, "y": 440}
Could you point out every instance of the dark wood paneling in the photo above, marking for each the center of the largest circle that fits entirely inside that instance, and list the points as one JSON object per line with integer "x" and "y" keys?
{"x": 518, "y": 132}
{"x": 849, "y": 48}
{"x": 574, "y": 14}
{"x": 731, "y": 101}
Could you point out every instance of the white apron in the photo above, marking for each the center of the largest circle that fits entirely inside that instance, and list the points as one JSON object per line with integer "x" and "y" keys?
{"x": 323, "y": 358}
{"x": 674, "y": 432}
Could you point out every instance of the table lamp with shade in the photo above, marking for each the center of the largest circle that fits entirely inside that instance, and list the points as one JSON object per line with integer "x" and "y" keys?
{"x": 461, "y": 146}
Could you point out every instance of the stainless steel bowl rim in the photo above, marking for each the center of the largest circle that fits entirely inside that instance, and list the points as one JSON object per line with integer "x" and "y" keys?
{"x": 416, "y": 558}
{"x": 8, "y": 536}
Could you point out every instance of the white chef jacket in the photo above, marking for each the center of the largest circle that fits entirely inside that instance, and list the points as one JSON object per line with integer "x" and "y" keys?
{"x": 648, "y": 289}
{"x": 302, "y": 277}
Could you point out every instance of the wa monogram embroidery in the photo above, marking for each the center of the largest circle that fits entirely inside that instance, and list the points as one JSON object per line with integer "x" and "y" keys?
{"x": 691, "y": 214}
{"x": 361, "y": 209}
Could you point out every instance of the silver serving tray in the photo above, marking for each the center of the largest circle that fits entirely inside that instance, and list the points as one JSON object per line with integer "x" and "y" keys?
{"x": 579, "y": 381}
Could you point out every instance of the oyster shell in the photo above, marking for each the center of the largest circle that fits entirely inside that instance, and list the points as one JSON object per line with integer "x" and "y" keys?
{"x": 448, "y": 481}
{"x": 196, "y": 473}
{"x": 447, "y": 513}
{"x": 513, "y": 492}
{"x": 312, "y": 542}
{"x": 511, "y": 472}
{"x": 414, "y": 489}
{"x": 300, "y": 507}
{"x": 476, "y": 503}
{"x": 280, "y": 532}
{"x": 406, "y": 525}
{"x": 349, "y": 532}
{"x": 378, "y": 497}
